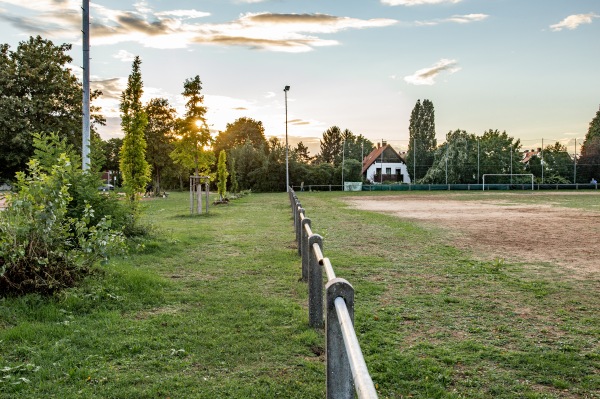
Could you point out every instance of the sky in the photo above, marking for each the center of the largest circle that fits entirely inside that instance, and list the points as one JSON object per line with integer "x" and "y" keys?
{"x": 527, "y": 67}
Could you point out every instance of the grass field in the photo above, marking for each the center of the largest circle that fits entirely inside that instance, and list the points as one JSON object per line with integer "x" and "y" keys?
{"x": 211, "y": 307}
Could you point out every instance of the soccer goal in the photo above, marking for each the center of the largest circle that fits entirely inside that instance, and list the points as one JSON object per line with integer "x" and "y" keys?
{"x": 507, "y": 174}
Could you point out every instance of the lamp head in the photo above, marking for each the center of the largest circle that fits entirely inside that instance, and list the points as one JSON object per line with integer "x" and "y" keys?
{"x": 286, "y": 88}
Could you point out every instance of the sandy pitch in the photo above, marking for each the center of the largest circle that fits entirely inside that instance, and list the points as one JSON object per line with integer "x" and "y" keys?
{"x": 498, "y": 229}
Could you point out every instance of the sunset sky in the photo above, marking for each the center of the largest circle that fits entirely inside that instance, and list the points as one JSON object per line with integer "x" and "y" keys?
{"x": 530, "y": 67}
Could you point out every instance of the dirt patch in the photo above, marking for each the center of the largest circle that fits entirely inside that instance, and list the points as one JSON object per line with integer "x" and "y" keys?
{"x": 501, "y": 229}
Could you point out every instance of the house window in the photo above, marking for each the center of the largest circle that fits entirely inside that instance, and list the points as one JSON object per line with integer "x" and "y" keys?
{"x": 388, "y": 171}
{"x": 378, "y": 171}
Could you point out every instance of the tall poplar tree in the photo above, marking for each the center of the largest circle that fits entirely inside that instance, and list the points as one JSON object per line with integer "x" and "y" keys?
{"x": 422, "y": 144}
{"x": 135, "y": 170}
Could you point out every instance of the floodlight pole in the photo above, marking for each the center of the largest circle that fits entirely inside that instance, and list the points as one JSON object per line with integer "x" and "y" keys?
{"x": 343, "y": 162}
{"x": 85, "y": 128}
{"x": 287, "y": 168}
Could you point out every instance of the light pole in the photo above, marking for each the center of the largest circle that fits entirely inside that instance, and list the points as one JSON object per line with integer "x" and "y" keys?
{"x": 343, "y": 161}
{"x": 85, "y": 125}
{"x": 287, "y": 168}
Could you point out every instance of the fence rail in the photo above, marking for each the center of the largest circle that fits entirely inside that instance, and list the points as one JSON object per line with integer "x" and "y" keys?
{"x": 346, "y": 368}
{"x": 458, "y": 187}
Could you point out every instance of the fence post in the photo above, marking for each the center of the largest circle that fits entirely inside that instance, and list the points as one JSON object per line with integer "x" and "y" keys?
{"x": 315, "y": 284}
{"x": 304, "y": 248}
{"x": 299, "y": 231}
{"x": 340, "y": 384}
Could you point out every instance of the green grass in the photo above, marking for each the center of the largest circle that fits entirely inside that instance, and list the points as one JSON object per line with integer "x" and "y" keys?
{"x": 210, "y": 306}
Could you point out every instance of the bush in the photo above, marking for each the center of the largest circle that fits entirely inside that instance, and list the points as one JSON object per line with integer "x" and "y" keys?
{"x": 47, "y": 241}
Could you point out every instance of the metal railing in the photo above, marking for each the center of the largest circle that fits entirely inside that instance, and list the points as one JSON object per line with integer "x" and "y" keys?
{"x": 346, "y": 368}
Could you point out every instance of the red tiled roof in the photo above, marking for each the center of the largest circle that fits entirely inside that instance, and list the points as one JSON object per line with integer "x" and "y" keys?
{"x": 375, "y": 155}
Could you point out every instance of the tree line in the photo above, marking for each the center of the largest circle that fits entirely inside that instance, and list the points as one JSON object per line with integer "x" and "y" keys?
{"x": 160, "y": 149}
{"x": 465, "y": 157}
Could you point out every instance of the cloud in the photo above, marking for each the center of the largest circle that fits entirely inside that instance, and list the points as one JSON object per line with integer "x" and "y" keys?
{"x": 427, "y": 76}
{"x": 284, "y": 32}
{"x": 179, "y": 28}
{"x": 298, "y": 122}
{"x": 185, "y": 14}
{"x": 573, "y": 21}
{"x": 459, "y": 19}
{"x": 124, "y": 56}
{"x": 417, "y": 2}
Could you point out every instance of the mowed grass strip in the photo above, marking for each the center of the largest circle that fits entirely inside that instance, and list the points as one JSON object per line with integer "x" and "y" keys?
{"x": 211, "y": 307}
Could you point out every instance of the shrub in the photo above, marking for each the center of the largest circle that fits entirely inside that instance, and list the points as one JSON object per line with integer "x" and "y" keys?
{"x": 42, "y": 247}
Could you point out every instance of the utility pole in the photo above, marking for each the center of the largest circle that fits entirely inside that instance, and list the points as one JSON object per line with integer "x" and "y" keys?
{"x": 85, "y": 132}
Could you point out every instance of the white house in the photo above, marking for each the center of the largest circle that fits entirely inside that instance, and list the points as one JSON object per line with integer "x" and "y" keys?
{"x": 385, "y": 164}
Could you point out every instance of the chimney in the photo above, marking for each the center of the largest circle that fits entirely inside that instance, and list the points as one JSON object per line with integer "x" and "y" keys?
{"x": 378, "y": 145}
{"x": 383, "y": 143}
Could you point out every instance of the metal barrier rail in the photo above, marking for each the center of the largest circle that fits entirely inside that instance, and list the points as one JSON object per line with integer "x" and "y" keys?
{"x": 457, "y": 187}
{"x": 346, "y": 368}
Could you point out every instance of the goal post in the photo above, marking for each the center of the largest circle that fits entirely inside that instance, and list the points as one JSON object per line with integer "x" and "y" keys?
{"x": 509, "y": 175}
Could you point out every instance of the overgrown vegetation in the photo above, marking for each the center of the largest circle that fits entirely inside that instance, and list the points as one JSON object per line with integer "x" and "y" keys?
{"x": 57, "y": 224}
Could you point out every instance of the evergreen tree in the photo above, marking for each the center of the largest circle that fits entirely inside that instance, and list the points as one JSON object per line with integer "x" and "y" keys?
{"x": 301, "y": 153}
{"x": 331, "y": 145}
{"x": 134, "y": 167}
{"x": 423, "y": 143}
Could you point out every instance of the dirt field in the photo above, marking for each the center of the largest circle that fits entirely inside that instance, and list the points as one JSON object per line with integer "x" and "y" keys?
{"x": 500, "y": 229}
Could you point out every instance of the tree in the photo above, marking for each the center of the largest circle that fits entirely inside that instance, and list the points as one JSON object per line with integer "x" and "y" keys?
{"x": 248, "y": 160}
{"x": 193, "y": 131}
{"x": 222, "y": 174}
{"x": 159, "y": 134}
{"x": 456, "y": 159}
{"x": 558, "y": 164}
{"x": 422, "y": 142}
{"x": 233, "y": 176}
{"x": 301, "y": 153}
{"x": 331, "y": 145}
{"x": 589, "y": 160}
{"x": 496, "y": 150}
{"x": 133, "y": 165}
{"x": 112, "y": 151}
{"x": 38, "y": 94}
{"x": 242, "y": 131}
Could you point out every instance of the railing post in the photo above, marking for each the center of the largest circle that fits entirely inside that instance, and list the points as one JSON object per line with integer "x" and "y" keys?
{"x": 315, "y": 284}
{"x": 304, "y": 248}
{"x": 299, "y": 231}
{"x": 294, "y": 205}
{"x": 340, "y": 384}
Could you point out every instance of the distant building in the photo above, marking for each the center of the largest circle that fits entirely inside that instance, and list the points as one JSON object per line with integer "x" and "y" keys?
{"x": 527, "y": 155}
{"x": 384, "y": 164}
